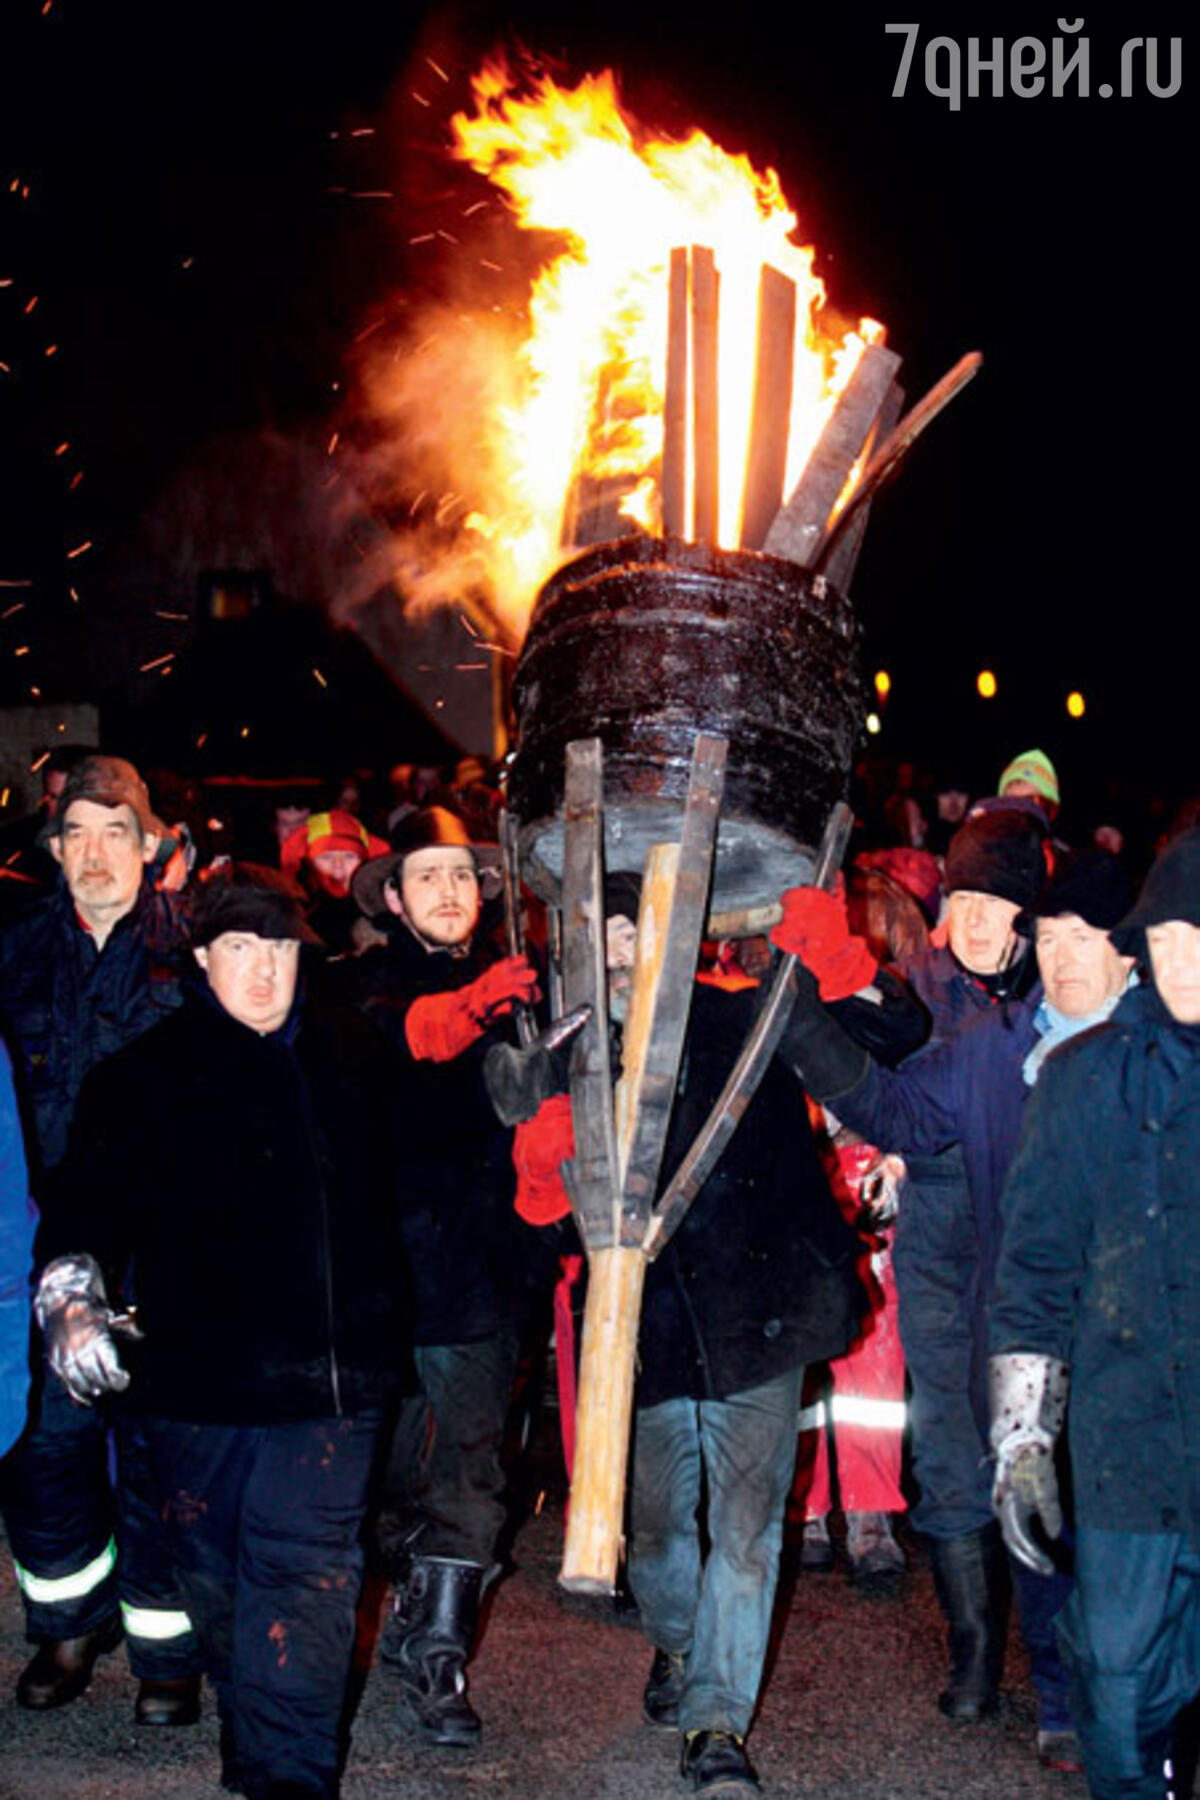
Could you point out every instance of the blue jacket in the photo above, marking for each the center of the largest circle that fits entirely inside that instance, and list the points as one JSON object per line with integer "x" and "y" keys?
{"x": 17, "y": 1220}
{"x": 68, "y": 1005}
{"x": 969, "y": 1090}
{"x": 1101, "y": 1261}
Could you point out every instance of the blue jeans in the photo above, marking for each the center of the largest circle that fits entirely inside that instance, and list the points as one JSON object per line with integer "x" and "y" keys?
{"x": 718, "y": 1613}
{"x": 1130, "y": 1636}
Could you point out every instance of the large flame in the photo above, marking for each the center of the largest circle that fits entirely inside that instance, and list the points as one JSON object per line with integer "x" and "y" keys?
{"x": 579, "y": 407}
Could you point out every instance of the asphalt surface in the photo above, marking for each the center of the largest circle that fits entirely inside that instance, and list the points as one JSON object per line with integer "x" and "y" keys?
{"x": 849, "y": 1711}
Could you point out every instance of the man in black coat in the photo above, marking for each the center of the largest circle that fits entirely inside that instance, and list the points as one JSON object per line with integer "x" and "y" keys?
{"x": 229, "y": 1181}
{"x": 1098, "y": 1292}
{"x": 82, "y": 973}
{"x": 438, "y": 991}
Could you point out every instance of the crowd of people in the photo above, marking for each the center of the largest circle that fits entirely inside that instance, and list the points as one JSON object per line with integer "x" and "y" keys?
{"x": 280, "y": 1213}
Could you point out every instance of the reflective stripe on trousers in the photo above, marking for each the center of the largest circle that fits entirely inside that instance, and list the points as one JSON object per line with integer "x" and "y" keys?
{"x": 51, "y": 1590}
{"x": 158, "y": 1624}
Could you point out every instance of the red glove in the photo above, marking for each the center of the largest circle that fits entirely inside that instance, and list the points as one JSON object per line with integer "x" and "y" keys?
{"x": 814, "y": 928}
{"x": 541, "y": 1144}
{"x": 440, "y": 1027}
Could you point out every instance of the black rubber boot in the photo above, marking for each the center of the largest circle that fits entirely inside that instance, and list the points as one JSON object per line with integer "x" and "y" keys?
{"x": 970, "y": 1577}
{"x": 428, "y": 1643}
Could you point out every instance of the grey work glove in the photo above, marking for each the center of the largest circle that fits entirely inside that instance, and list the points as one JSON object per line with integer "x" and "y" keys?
{"x": 73, "y": 1311}
{"x": 519, "y": 1078}
{"x": 1029, "y": 1403}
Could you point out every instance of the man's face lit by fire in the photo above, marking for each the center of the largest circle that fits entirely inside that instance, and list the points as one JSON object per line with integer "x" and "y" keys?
{"x": 620, "y": 941}
{"x": 1174, "y": 948}
{"x": 102, "y": 851}
{"x": 253, "y": 977}
{"x": 1078, "y": 965}
{"x": 438, "y": 896}
{"x": 981, "y": 930}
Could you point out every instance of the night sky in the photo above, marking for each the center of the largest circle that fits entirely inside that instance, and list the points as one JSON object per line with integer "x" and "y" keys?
{"x": 201, "y": 283}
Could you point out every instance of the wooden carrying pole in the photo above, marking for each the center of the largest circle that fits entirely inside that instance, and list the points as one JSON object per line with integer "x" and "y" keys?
{"x": 670, "y": 922}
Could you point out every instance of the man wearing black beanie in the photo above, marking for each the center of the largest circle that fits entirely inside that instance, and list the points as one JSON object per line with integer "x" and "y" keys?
{"x": 969, "y": 1089}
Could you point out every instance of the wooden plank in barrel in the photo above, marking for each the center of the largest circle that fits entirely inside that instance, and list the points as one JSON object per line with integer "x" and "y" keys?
{"x": 766, "y": 463}
{"x": 705, "y": 394}
{"x": 675, "y": 401}
{"x": 798, "y": 528}
{"x": 839, "y": 569}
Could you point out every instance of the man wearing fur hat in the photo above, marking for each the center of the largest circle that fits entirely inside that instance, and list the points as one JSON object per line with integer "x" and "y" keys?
{"x": 1098, "y": 1293}
{"x": 440, "y": 992}
{"x": 229, "y": 1173}
{"x": 83, "y": 973}
{"x": 970, "y": 1089}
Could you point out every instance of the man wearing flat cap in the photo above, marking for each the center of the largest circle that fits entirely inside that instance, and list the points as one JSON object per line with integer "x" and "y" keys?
{"x": 1098, "y": 1298}
{"x": 82, "y": 973}
{"x": 441, "y": 992}
{"x": 230, "y": 1175}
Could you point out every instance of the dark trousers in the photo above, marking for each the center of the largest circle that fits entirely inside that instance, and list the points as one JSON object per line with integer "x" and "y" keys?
{"x": 1130, "y": 1636}
{"x": 444, "y": 1485}
{"x": 265, "y": 1522}
{"x": 66, "y": 1520}
{"x": 942, "y": 1286}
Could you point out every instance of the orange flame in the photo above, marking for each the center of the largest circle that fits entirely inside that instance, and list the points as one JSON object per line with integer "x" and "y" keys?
{"x": 579, "y": 399}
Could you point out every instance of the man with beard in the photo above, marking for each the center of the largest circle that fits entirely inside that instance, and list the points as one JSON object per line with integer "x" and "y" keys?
{"x": 82, "y": 974}
{"x": 439, "y": 992}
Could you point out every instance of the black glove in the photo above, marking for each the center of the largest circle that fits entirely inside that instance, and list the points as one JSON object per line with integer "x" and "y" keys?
{"x": 828, "y": 1062}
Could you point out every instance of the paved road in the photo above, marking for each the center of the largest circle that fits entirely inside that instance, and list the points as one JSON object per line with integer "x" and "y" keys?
{"x": 849, "y": 1712}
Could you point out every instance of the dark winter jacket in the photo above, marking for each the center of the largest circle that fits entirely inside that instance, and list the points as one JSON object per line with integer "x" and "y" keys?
{"x": 469, "y": 1252}
{"x": 238, "y": 1189}
{"x": 67, "y": 1005}
{"x": 969, "y": 1090}
{"x": 760, "y": 1277}
{"x": 1101, "y": 1261}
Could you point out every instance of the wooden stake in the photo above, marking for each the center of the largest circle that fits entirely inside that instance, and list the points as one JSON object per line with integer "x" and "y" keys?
{"x": 675, "y": 398}
{"x": 654, "y": 915}
{"x": 798, "y": 527}
{"x": 606, "y": 1371}
{"x": 887, "y": 460}
{"x": 705, "y": 408}
{"x": 766, "y": 464}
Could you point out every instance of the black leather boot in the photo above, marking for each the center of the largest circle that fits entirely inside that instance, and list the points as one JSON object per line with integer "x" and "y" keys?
{"x": 971, "y": 1580}
{"x": 174, "y": 1702}
{"x": 432, "y": 1632}
{"x": 62, "y": 1669}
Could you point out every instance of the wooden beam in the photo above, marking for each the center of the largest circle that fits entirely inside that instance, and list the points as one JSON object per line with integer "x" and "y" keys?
{"x": 585, "y": 981}
{"x": 705, "y": 396}
{"x": 887, "y": 460}
{"x": 798, "y": 528}
{"x": 675, "y": 402}
{"x": 766, "y": 462}
{"x": 840, "y": 567}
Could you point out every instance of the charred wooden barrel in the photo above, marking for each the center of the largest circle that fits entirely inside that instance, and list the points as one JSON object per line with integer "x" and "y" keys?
{"x": 643, "y": 643}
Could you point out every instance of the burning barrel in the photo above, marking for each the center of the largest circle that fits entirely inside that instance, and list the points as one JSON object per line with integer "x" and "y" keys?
{"x": 646, "y": 642}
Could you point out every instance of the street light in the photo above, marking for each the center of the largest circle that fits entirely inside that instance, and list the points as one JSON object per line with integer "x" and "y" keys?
{"x": 1076, "y": 705}
{"x": 985, "y": 683}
